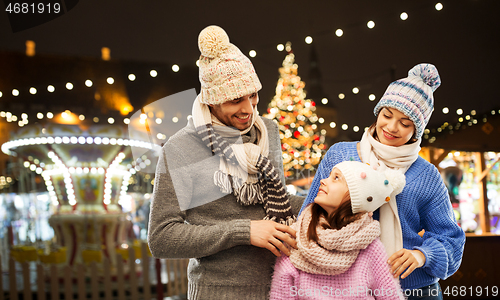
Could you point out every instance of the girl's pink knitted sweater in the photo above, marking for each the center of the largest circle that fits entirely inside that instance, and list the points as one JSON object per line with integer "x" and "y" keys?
{"x": 304, "y": 276}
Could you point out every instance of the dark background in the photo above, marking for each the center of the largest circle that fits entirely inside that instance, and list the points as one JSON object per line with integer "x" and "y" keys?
{"x": 462, "y": 40}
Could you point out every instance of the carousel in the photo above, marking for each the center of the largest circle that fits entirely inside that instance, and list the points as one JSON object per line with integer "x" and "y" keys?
{"x": 87, "y": 170}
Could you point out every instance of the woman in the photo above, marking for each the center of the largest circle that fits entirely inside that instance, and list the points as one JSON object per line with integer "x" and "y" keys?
{"x": 393, "y": 141}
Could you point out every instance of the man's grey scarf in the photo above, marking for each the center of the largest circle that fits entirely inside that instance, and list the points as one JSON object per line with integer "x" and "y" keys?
{"x": 264, "y": 188}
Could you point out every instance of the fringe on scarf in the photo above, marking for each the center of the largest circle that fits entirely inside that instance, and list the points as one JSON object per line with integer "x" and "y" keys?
{"x": 246, "y": 193}
{"x": 289, "y": 220}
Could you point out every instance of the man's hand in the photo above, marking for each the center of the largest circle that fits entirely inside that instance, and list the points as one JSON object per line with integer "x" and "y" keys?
{"x": 407, "y": 260}
{"x": 271, "y": 235}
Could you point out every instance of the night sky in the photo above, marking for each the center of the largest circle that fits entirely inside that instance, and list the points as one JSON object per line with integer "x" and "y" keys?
{"x": 462, "y": 40}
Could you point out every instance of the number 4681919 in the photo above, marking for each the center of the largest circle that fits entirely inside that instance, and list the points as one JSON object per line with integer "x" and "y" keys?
{"x": 471, "y": 291}
{"x": 33, "y": 8}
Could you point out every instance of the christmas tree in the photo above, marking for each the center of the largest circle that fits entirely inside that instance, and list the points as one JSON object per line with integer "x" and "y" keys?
{"x": 301, "y": 139}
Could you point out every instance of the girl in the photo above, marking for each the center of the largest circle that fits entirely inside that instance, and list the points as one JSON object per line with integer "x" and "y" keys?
{"x": 393, "y": 141}
{"x": 339, "y": 253}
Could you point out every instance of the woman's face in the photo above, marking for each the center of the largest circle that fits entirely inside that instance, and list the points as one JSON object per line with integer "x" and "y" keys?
{"x": 393, "y": 127}
{"x": 332, "y": 191}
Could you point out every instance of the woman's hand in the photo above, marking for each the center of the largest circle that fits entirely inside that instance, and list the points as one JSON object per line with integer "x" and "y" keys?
{"x": 407, "y": 260}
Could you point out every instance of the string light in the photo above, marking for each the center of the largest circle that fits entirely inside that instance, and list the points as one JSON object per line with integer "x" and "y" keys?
{"x": 280, "y": 47}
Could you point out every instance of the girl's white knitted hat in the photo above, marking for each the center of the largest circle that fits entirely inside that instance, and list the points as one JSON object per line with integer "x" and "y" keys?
{"x": 370, "y": 189}
{"x": 225, "y": 73}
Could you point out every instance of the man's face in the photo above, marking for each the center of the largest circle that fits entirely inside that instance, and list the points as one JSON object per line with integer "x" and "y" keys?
{"x": 236, "y": 113}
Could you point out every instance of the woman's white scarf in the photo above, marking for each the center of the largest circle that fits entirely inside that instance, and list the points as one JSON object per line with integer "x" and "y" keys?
{"x": 244, "y": 169}
{"x": 381, "y": 157}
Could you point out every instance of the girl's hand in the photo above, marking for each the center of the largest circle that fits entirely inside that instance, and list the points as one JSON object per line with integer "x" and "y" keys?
{"x": 407, "y": 260}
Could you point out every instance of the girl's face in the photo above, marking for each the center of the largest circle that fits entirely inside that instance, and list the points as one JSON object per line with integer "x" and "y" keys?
{"x": 332, "y": 191}
{"x": 393, "y": 127}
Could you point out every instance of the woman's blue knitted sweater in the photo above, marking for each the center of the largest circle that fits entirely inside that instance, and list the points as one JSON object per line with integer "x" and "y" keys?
{"x": 423, "y": 204}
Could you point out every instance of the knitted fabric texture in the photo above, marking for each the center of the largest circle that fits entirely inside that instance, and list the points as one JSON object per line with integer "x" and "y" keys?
{"x": 247, "y": 158}
{"x": 225, "y": 73}
{"x": 215, "y": 231}
{"x": 423, "y": 204}
{"x": 368, "y": 278}
{"x": 413, "y": 95}
{"x": 336, "y": 250}
{"x": 368, "y": 188}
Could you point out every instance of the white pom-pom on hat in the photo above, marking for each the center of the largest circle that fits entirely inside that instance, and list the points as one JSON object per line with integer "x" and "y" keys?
{"x": 428, "y": 73}
{"x": 212, "y": 41}
{"x": 396, "y": 179}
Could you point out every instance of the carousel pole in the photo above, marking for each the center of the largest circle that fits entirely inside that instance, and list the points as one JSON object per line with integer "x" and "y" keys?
{"x": 484, "y": 214}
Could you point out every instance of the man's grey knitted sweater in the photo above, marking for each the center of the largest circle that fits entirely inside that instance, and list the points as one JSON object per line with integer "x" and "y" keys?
{"x": 191, "y": 218}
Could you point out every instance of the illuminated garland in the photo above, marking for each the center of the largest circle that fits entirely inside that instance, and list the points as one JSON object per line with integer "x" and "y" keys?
{"x": 339, "y": 32}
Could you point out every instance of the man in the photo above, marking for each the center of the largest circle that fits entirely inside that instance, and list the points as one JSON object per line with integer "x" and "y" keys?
{"x": 219, "y": 196}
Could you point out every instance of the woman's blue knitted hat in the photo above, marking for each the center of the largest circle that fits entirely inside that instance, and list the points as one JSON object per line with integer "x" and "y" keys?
{"x": 413, "y": 95}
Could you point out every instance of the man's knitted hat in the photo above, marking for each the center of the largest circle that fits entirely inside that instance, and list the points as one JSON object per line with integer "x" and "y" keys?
{"x": 413, "y": 95}
{"x": 370, "y": 189}
{"x": 225, "y": 73}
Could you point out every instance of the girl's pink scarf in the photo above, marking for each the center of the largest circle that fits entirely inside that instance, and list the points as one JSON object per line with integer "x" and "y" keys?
{"x": 336, "y": 250}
